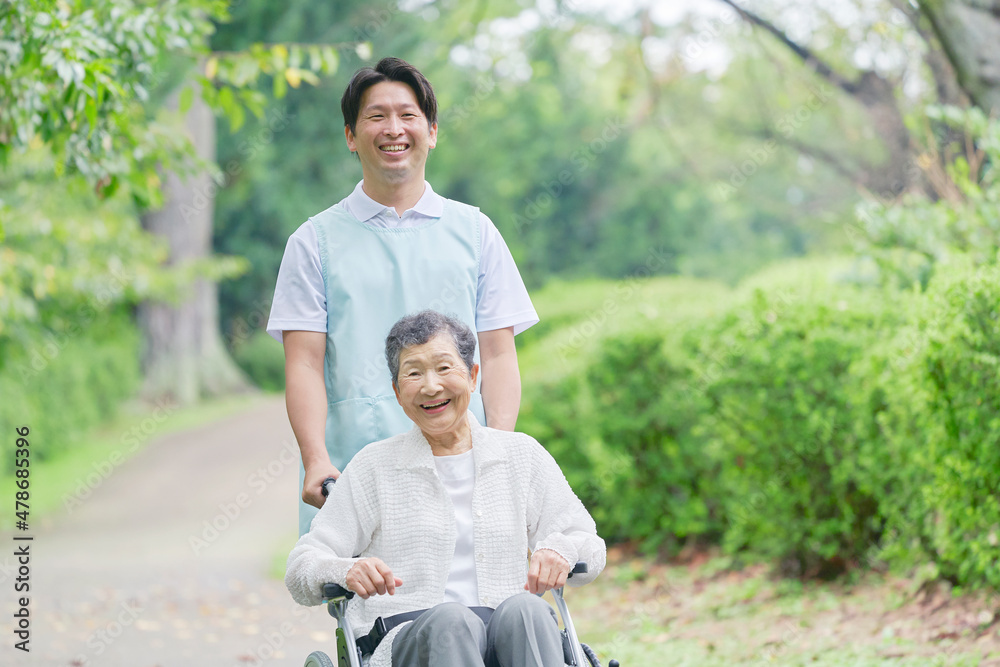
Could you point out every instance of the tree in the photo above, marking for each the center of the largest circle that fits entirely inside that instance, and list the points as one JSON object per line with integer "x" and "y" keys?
{"x": 82, "y": 79}
{"x": 969, "y": 31}
{"x": 878, "y": 95}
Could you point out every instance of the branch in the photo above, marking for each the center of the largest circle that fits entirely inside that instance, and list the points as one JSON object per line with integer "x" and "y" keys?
{"x": 946, "y": 82}
{"x": 806, "y": 55}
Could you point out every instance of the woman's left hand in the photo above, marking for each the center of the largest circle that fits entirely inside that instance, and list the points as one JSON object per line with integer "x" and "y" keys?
{"x": 546, "y": 571}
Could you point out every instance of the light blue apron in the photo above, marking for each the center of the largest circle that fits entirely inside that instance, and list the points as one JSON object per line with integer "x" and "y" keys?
{"x": 373, "y": 276}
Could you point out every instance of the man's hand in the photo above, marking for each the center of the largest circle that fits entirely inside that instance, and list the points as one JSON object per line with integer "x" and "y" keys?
{"x": 546, "y": 571}
{"x": 371, "y": 576}
{"x": 312, "y": 487}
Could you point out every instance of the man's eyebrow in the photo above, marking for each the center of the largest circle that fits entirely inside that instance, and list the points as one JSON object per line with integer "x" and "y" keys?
{"x": 407, "y": 106}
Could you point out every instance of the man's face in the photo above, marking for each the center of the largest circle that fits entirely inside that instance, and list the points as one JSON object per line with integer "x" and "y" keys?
{"x": 392, "y": 138}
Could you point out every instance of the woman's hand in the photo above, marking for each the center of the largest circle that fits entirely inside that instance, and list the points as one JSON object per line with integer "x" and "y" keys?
{"x": 546, "y": 571}
{"x": 371, "y": 576}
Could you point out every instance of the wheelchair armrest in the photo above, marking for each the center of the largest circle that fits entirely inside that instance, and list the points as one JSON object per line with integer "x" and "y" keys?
{"x": 579, "y": 568}
{"x": 334, "y": 591}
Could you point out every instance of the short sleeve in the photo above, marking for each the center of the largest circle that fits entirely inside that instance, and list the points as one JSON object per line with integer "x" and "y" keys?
{"x": 502, "y": 299}
{"x": 299, "y": 295}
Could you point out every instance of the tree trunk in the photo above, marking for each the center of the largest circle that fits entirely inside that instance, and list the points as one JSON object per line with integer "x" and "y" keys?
{"x": 969, "y": 31}
{"x": 184, "y": 358}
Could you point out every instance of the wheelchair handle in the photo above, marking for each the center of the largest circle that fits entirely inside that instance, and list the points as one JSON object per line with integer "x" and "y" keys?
{"x": 329, "y": 481}
{"x": 334, "y": 591}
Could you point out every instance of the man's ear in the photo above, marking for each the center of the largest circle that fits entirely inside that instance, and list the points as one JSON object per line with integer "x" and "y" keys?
{"x": 350, "y": 138}
{"x": 432, "y": 135}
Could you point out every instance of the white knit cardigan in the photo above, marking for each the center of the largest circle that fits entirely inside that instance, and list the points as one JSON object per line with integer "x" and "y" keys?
{"x": 389, "y": 503}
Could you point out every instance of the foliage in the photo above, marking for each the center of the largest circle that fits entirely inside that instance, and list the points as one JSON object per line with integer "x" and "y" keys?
{"x": 64, "y": 384}
{"x": 75, "y": 75}
{"x": 647, "y": 413}
{"x": 262, "y": 360}
{"x": 807, "y": 421}
{"x": 915, "y": 237}
{"x": 67, "y": 256}
{"x": 941, "y": 430}
{"x": 591, "y": 159}
{"x": 783, "y": 415}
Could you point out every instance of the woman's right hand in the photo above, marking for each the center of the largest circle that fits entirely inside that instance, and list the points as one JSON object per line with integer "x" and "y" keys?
{"x": 370, "y": 576}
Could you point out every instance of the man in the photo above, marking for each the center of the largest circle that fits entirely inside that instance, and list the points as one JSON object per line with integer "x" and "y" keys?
{"x": 391, "y": 247}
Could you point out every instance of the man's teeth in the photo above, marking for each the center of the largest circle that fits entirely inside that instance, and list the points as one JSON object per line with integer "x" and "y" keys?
{"x": 394, "y": 149}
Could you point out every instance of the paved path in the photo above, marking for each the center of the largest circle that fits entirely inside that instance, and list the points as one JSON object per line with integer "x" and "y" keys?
{"x": 170, "y": 562}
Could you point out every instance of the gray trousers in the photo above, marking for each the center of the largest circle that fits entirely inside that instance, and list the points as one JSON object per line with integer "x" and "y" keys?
{"x": 523, "y": 632}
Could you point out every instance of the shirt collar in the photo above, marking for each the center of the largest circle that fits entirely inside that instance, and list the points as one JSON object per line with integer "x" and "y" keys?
{"x": 364, "y": 208}
{"x": 415, "y": 452}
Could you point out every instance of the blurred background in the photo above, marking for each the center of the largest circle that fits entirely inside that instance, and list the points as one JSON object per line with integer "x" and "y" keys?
{"x": 761, "y": 236}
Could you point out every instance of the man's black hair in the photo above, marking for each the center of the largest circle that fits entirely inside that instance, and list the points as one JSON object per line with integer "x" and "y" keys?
{"x": 387, "y": 69}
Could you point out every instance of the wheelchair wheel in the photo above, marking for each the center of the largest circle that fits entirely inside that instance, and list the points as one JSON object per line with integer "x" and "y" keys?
{"x": 589, "y": 654}
{"x": 319, "y": 659}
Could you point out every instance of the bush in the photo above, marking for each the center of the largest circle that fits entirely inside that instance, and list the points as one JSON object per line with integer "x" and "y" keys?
{"x": 646, "y": 411}
{"x": 64, "y": 385}
{"x": 784, "y": 414}
{"x": 263, "y": 359}
{"x": 942, "y": 430}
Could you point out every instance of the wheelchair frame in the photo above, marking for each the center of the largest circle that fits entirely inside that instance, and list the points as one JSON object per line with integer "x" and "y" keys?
{"x": 349, "y": 655}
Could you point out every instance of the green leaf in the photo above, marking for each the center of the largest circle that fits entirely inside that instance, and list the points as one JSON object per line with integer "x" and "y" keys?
{"x": 186, "y": 98}
{"x": 90, "y": 109}
{"x": 280, "y": 86}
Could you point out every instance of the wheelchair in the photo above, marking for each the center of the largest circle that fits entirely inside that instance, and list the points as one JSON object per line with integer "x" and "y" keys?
{"x": 349, "y": 654}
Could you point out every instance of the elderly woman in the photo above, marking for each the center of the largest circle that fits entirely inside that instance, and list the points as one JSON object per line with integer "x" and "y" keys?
{"x": 443, "y": 518}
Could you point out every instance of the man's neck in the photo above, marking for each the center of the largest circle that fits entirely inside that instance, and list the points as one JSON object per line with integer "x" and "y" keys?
{"x": 400, "y": 196}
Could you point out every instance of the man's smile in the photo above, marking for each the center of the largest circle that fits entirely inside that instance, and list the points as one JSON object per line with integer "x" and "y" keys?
{"x": 393, "y": 148}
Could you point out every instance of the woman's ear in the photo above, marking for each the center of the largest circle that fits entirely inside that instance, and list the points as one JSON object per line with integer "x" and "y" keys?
{"x": 473, "y": 376}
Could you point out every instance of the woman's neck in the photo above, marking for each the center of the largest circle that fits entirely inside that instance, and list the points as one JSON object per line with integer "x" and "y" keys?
{"x": 451, "y": 443}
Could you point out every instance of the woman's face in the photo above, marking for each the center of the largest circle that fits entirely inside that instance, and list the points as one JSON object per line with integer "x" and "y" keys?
{"x": 434, "y": 385}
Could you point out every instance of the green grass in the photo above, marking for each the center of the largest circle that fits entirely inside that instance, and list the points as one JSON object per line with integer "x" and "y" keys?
{"x": 108, "y": 446}
{"x": 709, "y": 616}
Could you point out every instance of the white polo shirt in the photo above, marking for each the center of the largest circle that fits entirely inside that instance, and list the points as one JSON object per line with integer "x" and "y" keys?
{"x": 300, "y": 296}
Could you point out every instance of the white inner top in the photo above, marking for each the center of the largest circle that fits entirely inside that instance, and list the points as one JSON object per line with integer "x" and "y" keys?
{"x": 458, "y": 474}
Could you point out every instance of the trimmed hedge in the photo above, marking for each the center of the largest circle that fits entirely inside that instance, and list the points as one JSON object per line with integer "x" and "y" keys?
{"x": 814, "y": 424}
{"x": 62, "y": 385}
{"x": 942, "y": 431}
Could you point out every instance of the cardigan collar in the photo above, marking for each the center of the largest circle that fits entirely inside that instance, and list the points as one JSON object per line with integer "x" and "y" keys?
{"x": 415, "y": 452}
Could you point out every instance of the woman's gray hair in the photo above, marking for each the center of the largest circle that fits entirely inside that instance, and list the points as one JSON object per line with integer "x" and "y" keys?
{"x": 419, "y": 328}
